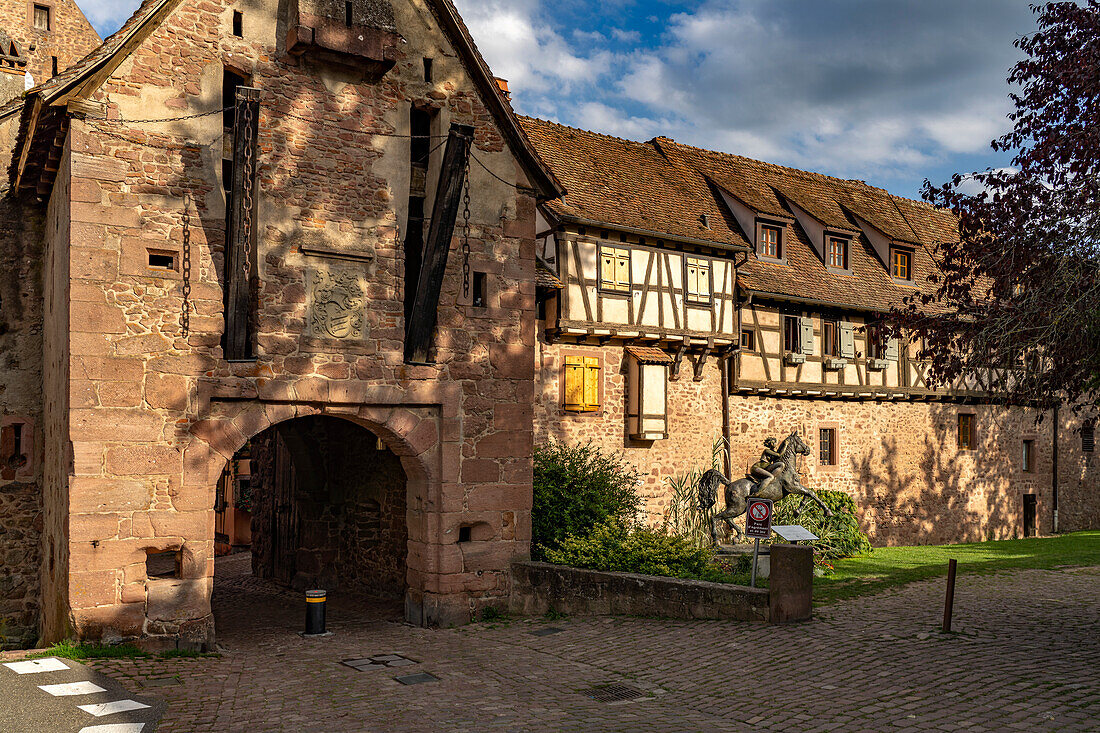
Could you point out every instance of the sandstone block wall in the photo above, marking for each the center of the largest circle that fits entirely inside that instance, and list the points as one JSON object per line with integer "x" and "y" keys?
{"x": 898, "y": 460}
{"x": 21, "y": 375}
{"x": 153, "y": 412}
{"x": 69, "y": 39}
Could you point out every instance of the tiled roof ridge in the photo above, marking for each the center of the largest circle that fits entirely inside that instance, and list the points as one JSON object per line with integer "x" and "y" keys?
{"x": 661, "y": 139}
{"x": 541, "y": 121}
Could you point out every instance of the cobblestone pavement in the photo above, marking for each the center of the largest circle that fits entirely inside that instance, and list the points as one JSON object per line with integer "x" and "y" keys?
{"x": 1027, "y": 658}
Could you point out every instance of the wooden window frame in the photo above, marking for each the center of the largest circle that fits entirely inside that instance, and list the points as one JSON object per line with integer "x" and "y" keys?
{"x": 830, "y": 344}
{"x": 763, "y": 227}
{"x": 589, "y": 362}
{"x": 846, "y": 243}
{"x": 832, "y": 459}
{"x": 796, "y": 336}
{"x": 48, "y": 7}
{"x": 615, "y": 288}
{"x": 698, "y": 263}
{"x": 908, "y": 254}
{"x": 751, "y": 340}
{"x": 967, "y": 437}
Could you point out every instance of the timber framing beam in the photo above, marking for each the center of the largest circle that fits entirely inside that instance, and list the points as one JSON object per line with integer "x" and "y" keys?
{"x": 420, "y": 329}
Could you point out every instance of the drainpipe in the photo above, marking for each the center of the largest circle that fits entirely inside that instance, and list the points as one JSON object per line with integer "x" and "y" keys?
{"x": 725, "y": 364}
{"x": 1054, "y": 469}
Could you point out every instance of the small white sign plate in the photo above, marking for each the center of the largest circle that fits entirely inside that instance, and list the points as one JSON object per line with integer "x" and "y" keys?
{"x": 793, "y": 532}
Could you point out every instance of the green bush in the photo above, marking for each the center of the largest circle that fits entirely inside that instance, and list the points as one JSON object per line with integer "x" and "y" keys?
{"x": 577, "y": 488}
{"x": 840, "y": 534}
{"x": 612, "y": 546}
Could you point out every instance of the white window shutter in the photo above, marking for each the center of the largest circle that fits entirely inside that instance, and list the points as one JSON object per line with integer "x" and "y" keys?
{"x": 807, "y": 336}
{"x": 847, "y": 341}
{"x": 892, "y": 349}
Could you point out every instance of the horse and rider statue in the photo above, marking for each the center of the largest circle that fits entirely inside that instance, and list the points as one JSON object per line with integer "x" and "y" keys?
{"x": 774, "y": 476}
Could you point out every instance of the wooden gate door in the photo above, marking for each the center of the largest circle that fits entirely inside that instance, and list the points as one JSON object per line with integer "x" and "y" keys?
{"x": 284, "y": 516}
{"x": 1030, "y": 515}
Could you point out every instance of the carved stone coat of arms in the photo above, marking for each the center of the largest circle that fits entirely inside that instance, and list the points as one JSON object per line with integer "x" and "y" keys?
{"x": 336, "y": 305}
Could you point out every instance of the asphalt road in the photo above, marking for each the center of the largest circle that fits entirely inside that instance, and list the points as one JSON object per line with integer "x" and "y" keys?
{"x": 26, "y": 708}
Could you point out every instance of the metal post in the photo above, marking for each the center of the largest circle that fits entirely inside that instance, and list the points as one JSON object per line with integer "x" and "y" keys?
{"x": 315, "y": 612}
{"x": 949, "y": 602}
{"x": 755, "y": 557}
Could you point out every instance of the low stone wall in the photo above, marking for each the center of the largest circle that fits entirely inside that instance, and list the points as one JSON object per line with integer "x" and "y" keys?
{"x": 538, "y": 588}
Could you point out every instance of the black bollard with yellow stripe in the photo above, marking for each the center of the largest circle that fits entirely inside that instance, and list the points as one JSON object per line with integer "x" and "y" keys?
{"x": 315, "y": 612}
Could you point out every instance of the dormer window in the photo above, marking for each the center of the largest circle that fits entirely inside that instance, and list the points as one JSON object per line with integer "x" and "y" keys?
{"x": 901, "y": 264}
{"x": 837, "y": 253}
{"x": 771, "y": 242}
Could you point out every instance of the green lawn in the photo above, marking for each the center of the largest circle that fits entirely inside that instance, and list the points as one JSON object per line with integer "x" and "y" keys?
{"x": 891, "y": 567}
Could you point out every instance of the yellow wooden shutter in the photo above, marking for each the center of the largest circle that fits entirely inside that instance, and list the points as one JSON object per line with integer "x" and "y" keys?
{"x": 607, "y": 269}
{"x": 574, "y": 383}
{"x": 622, "y": 271}
{"x": 592, "y": 372}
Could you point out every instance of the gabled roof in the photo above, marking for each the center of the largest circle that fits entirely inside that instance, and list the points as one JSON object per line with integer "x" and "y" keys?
{"x": 87, "y": 74}
{"x": 630, "y": 185}
{"x": 665, "y": 186}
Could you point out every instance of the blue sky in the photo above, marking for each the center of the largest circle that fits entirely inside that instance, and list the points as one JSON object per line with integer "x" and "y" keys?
{"x": 887, "y": 91}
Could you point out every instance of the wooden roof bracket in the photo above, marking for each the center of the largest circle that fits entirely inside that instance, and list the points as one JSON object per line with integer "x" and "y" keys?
{"x": 32, "y": 125}
{"x": 677, "y": 360}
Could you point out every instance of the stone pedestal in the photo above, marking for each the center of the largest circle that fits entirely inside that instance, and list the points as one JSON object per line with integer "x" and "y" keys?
{"x": 791, "y": 583}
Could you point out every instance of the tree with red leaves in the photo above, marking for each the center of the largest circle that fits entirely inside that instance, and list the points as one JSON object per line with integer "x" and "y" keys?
{"x": 1019, "y": 292}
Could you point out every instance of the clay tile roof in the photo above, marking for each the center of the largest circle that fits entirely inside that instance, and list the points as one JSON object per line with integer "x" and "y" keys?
{"x": 545, "y": 277}
{"x": 663, "y": 185}
{"x": 616, "y": 182}
{"x": 648, "y": 355}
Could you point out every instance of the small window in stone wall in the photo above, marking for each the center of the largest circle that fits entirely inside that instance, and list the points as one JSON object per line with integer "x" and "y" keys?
{"x": 238, "y": 24}
{"x": 163, "y": 563}
{"x": 1028, "y": 458}
{"x": 1088, "y": 437}
{"x": 967, "y": 437}
{"x": 827, "y": 446}
{"x": 42, "y": 19}
{"x": 582, "y": 376}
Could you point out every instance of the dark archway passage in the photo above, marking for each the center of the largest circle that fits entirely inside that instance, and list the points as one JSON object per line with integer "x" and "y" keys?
{"x": 328, "y": 507}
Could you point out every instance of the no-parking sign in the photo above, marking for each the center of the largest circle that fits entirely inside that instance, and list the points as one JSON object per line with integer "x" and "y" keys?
{"x": 758, "y": 519}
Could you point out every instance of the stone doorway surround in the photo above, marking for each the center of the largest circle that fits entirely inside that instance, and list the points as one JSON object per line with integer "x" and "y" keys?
{"x": 420, "y": 424}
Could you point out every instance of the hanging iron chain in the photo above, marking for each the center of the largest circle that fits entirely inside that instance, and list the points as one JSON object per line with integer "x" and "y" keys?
{"x": 248, "y": 178}
{"x": 466, "y": 234}
{"x": 185, "y": 267}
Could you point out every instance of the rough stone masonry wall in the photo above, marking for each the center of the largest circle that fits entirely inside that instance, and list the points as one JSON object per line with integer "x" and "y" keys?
{"x": 694, "y": 418}
{"x": 20, "y": 403}
{"x": 898, "y": 460}
{"x": 70, "y": 38}
{"x": 1078, "y": 476}
{"x": 160, "y": 411}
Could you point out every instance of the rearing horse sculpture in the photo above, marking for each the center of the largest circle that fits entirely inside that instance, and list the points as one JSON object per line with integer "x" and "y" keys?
{"x": 738, "y": 492}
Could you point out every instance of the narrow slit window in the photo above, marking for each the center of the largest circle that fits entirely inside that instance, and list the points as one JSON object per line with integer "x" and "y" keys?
{"x": 53, "y": 65}
{"x": 428, "y": 70}
{"x": 1088, "y": 437}
{"x": 348, "y": 18}
{"x": 480, "y": 294}
{"x": 238, "y": 24}
{"x": 1028, "y": 458}
{"x": 830, "y": 338}
{"x": 465, "y": 533}
{"x": 967, "y": 437}
{"x": 827, "y": 446}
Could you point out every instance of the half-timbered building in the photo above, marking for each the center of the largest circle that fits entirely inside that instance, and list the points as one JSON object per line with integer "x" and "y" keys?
{"x": 705, "y": 297}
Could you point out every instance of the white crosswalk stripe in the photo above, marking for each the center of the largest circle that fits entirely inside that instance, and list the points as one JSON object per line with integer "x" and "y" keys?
{"x": 34, "y": 666}
{"x": 72, "y": 688}
{"x": 114, "y": 728}
{"x": 109, "y": 708}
